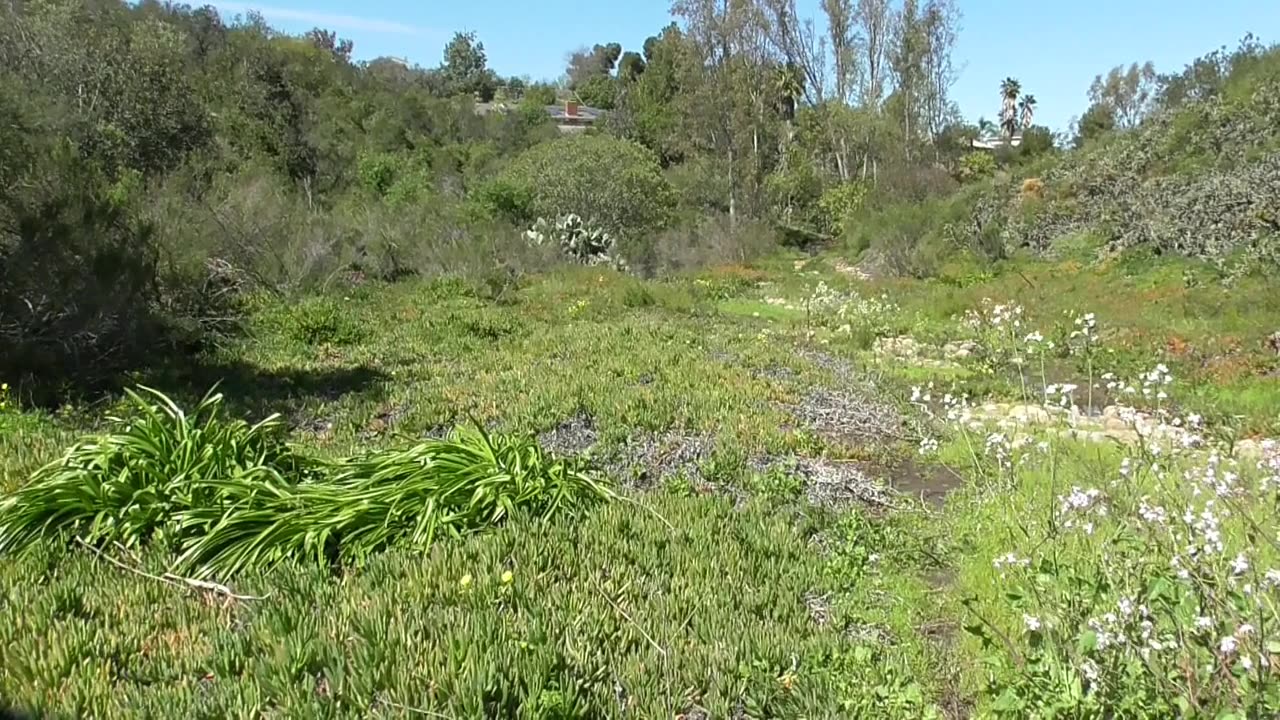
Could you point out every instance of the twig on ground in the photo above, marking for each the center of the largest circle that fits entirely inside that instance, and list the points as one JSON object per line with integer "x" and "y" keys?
{"x": 175, "y": 580}
{"x": 653, "y": 512}
{"x": 624, "y": 614}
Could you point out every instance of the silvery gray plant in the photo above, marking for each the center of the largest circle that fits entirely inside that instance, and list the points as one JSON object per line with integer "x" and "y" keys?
{"x": 587, "y": 243}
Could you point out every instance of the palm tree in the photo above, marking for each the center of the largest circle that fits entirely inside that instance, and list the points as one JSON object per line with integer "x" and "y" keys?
{"x": 1010, "y": 89}
{"x": 986, "y": 128}
{"x": 788, "y": 87}
{"x": 1028, "y": 110}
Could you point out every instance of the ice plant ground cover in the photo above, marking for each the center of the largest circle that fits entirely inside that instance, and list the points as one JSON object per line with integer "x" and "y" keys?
{"x": 766, "y": 555}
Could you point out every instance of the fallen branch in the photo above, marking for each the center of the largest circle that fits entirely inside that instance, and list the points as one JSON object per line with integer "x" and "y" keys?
{"x": 624, "y": 614}
{"x": 175, "y": 580}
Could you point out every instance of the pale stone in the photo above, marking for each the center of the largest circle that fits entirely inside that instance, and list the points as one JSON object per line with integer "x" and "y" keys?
{"x": 1113, "y": 423}
{"x": 1250, "y": 449}
{"x": 1031, "y": 414}
{"x": 1128, "y": 437}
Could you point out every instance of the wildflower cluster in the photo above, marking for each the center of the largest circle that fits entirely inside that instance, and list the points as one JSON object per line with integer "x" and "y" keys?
{"x": 848, "y": 311}
{"x": 1156, "y": 575}
{"x": 4, "y": 397}
{"x": 989, "y": 314}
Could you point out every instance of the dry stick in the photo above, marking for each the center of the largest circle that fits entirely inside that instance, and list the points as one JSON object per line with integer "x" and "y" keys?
{"x": 175, "y": 580}
{"x": 624, "y": 614}
{"x": 653, "y": 512}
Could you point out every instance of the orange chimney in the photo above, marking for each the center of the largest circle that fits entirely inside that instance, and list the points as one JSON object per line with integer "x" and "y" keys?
{"x": 571, "y": 108}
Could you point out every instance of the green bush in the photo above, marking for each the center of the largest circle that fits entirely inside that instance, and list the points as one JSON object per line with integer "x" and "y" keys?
{"x": 78, "y": 272}
{"x": 614, "y": 184}
{"x": 839, "y": 203}
{"x": 322, "y": 320}
{"x": 976, "y": 165}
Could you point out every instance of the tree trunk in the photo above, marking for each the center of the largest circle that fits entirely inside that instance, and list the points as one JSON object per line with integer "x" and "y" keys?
{"x": 733, "y": 201}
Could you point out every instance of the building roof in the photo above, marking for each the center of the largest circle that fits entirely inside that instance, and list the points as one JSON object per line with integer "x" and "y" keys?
{"x": 590, "y": 114}
{"x": 995, "y": 143}
{"x": 585, "y": 115}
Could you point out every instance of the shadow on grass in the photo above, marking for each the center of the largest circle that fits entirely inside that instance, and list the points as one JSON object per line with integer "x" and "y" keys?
{"x": 253, "y": 391}
{"x": 10, "y": 712}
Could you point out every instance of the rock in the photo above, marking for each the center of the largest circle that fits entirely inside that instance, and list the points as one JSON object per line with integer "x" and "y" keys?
{"x": 1112, "y": 423}
{"x": 905, "y": 347}
{"x": 1128, "y": 437}
{"x": 1033, "y": 414}
{"x": 960, "y": 349}
{"x": 1273, "y": 342}
{"x": 1248, "y": 449}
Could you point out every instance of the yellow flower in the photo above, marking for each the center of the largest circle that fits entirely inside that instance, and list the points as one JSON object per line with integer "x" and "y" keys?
{"x": 507, "y": 577}
{"x": 465, "y": 582}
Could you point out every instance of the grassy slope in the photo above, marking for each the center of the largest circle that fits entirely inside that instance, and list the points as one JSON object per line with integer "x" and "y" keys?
{"x": 735, "y": 604}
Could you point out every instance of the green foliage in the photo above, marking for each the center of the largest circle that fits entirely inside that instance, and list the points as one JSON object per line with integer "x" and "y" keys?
{"x": 131, "y": 486}
{"x": 77, "y": 272}
{"x": 610, "y": 182}
{"x": 322, "y": 320}
{"x": 1037, "y": 140}
{"x": 793, "y": 193}
{"x": 1096, "y": 122}
{"x": 540, "y": 94}
{"x": 229, "y": 496}
{"x": 840, "y": 203}
{"x": 976, "y": 165}
{"x": 465, "y": 69}
{"x": 506, "y": 198}
{"x": 601, "y": 91}
{"x": 613, "y": 610}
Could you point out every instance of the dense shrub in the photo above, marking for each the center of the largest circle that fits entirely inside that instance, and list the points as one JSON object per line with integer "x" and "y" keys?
{"x": 711, "y": 242}
{"x": 975, "y": 166}
{"x": 612, "y": 183}
{"x": 78, "y": 275}
{"x": 840, "y": 203}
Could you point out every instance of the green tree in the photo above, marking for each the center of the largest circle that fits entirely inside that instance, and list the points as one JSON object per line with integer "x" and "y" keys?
{"x": 600, "y": 91}
{"x": 1037, "y": 140}
{"x": 631, "y": 67}
{"x": 610, "y": 182}
{"x": 540, "y": 94}
{"x": 1129, "y": 92}
{"x": 1096, "y": 122}
{"x": 647, "y": 111}
{"x": 465, "y": 69}
{"x": 1027, "y": 109}
{"x": 587, "y": 64}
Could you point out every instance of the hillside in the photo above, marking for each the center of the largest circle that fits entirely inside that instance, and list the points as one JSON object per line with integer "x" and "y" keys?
{"x": 1198, "y": 178}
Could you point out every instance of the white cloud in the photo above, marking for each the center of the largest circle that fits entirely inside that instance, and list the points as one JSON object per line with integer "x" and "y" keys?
{"x": 328, "y": 21}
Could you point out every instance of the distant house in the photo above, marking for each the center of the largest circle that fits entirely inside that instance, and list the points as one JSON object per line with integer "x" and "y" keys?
{"x": 573, "y": 117}
{"x": 997, "y": 142}
{"x": 570, "y": 117}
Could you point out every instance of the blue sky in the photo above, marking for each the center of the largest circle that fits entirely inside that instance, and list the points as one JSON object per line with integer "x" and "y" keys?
{"x": 1055, "y": 50}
